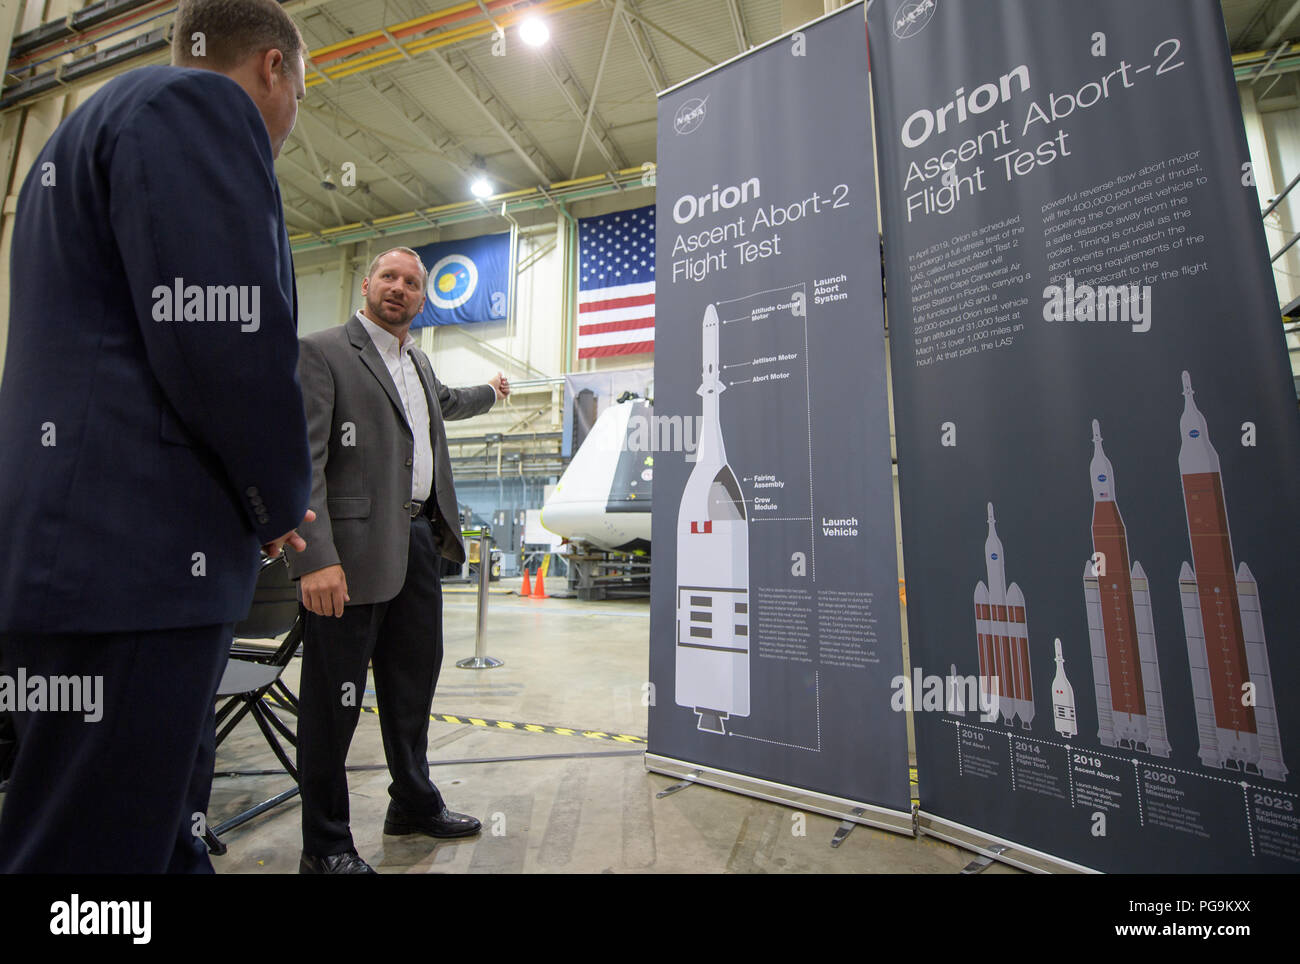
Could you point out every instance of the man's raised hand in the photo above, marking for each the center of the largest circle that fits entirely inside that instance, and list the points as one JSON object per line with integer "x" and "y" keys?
{"x": 501, "y": 384}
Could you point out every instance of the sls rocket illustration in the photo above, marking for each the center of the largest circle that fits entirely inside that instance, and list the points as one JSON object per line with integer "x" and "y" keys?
{"x": 712, "y": 569}
{"x": 1003, "y": 634}
{"x": 1125, "y": 670}
{"x": 1063, "y": 717}
{"x": 1221, "y": 614}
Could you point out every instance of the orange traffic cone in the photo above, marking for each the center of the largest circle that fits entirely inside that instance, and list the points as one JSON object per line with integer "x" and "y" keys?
{"x": 539, "y": 587}
{"x": 527, "y": 589}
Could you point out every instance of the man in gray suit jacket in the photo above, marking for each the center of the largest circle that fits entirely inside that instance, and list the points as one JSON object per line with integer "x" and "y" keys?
{"x": 386, "y": 513}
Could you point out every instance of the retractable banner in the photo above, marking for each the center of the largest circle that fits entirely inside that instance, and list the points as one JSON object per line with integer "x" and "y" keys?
{"x": 775, "y": 629}
{"x": 1098, "y": 445}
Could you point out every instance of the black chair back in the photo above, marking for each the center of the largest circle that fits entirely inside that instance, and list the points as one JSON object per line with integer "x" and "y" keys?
{"x": 275, "y": 603}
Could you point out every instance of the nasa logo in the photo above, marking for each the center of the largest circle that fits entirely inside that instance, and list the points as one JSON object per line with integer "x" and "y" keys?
{"x": 453, "y": 281}
{"x": 912, "y": 18}
{"x": 1101, "y": 478}
{"x": 993, "y": 555}
{"x": 690, "y": 115}
{"x": 1195, "y": 433}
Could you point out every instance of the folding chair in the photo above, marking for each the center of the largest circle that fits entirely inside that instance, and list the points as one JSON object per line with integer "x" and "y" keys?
{"x": 251, "y": 683}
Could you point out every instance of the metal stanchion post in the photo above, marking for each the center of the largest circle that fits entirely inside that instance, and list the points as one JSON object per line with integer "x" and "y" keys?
{"x": 480, "y": 659}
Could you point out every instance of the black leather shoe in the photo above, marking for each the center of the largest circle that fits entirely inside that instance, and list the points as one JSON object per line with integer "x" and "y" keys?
{"x": 345, "y": 863}
{"x": 444, "y": 824}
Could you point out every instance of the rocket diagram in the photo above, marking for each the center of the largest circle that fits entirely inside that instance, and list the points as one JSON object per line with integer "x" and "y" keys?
{"x": 1236, "y": 714}
{"x": 1003, "y": 635}
{"x": 712, "y": 568}
{"x": 1063, "y": 716}
{"x": 1232, "y": 685}
{"x": 1125, "y": 669}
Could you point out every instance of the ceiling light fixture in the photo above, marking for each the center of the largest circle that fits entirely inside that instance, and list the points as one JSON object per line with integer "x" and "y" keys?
{"x": 534, "y": 32}
{"x": 480, "y": 185}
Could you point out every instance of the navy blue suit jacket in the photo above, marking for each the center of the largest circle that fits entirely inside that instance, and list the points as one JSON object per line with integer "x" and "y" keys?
{"x": 145, "y": 461}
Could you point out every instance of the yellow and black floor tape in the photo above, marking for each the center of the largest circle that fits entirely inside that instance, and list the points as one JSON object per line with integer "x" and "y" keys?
{"x": 563, "y": 731}
{"x": 529, "y": 727}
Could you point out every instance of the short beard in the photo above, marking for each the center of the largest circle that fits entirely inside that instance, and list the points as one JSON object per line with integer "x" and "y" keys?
{"x": 378, "y": 309}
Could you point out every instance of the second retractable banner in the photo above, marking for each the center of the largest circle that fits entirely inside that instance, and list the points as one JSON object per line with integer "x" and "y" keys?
{"x": 1098, "y": 443}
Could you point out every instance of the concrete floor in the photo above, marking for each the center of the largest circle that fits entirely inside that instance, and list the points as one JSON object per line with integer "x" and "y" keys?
{"x": 582, "y": 805}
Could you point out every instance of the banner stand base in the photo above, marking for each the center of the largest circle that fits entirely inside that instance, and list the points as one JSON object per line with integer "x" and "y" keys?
{"x": 996, "y": 848}
{"x": 897, "y": 821}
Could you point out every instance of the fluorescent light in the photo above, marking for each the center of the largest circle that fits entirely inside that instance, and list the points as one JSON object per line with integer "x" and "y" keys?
{"x": 534, "y": 32}
{"x": 481, "y": 187}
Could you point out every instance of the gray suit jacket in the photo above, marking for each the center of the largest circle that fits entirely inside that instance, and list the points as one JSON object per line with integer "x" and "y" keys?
{"x": 362, "y": 456}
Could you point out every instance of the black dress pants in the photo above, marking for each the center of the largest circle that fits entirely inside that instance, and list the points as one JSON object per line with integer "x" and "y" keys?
{"x": 402, "y": 638}
{"x": 117, "y": 794}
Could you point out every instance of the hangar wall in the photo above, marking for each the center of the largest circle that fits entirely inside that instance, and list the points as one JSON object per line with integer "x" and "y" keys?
{"x": 329, "y": 286}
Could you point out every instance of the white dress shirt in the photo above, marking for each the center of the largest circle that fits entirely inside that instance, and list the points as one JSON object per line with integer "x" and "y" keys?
{"x": 401, "y": 367}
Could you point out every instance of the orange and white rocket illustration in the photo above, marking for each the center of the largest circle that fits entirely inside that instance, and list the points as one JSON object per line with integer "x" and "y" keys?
{"x": 1003, "y": 635}
{"x": 712, "y": 569}
{"x": 1063, "y": 716}
{"x": 1236, "y": 715}
{"x": 1125, "y": 668}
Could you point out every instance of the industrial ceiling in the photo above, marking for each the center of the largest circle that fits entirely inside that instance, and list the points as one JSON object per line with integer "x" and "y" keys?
{"x": 408, "y": 100}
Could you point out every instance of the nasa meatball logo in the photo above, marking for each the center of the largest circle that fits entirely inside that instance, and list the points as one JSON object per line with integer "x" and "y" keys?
{"x": 690, "y": 115}
{"x": 452, "y": 282}
{"x": 913, "y": 17}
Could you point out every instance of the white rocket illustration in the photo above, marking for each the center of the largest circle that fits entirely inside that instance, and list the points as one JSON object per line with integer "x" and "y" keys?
{"x": 712, "y": 569}
{"x": 1003, "y": 634}
{"x": 1125, "y": 668}
{"x": 1063, "y": 699}
{"x": 1236, "y": 714}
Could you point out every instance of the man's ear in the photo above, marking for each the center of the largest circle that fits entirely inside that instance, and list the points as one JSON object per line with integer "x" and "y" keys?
{"x": 272, "y": 67}
{"x": 365, "y": 285}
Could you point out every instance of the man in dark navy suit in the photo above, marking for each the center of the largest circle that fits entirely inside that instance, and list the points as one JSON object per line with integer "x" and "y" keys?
{"x": 154, "y": 436}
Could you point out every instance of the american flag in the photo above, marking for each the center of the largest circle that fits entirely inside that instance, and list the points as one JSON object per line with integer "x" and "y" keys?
{"x": 616, "y": 283}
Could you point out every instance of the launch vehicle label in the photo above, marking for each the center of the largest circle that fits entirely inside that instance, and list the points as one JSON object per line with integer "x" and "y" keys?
{"x": 770, "y": 329}
{"x": 1078, "y": 285}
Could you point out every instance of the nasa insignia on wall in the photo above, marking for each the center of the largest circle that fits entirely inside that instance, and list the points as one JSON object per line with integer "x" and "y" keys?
{"x": 469, "y": 281}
